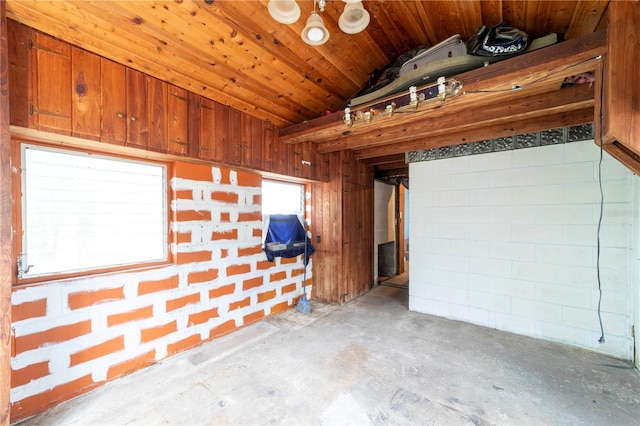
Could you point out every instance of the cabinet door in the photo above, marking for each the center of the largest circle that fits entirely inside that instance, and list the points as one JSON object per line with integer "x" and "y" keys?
{"x": 235, "y": 137}
{"x": 52, "y": 104}
{"x": 114, "y": 106}
{"x": 19, "y": 37}
{"x": 157, "y": 107}
{"x": 207, "y": 142}
{"x": 177, "y": 120}
{"x": 269, "y": 149}
{"x": 222, "y": 133}
{"x": 137, "y": 95}
{"x": 87, "y": 87}
{"x": 256, "y": 143}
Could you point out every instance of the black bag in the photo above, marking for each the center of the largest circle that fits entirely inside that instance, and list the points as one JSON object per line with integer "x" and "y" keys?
{"x": 498, "y": 40}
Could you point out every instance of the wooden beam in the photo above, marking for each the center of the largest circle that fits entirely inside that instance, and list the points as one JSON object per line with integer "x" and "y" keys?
{"x": 461, "y": 117}
{"x": 395, "y": 158}
{"x": 492, "y": 131}
{"x": 495, "y": 81}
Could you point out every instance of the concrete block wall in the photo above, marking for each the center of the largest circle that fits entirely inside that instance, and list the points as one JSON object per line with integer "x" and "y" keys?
{"x": 508, "y": 240}
{"x": 72, "y": 335}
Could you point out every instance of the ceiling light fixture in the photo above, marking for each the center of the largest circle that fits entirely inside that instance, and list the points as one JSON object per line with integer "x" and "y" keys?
{"x": 353, "y": 19}
{"x": 284, "y": 11}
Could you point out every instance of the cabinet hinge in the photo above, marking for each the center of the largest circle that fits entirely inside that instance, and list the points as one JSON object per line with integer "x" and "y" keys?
{"x": 34, "y": 110}
{"x": 182, "y": 98}
{"x": 201, "y": 105}
{"x": 33, "y": 45}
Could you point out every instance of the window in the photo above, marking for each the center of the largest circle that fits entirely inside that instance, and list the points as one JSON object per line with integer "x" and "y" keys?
{"x": 84, "y": 212}
{"x": 282, "y": 198}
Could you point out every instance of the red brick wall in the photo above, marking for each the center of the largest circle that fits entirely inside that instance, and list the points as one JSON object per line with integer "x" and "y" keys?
{"x": 71, "y": 336}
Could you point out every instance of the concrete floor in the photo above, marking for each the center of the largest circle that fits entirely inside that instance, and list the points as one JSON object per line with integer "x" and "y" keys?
{"x": 367, "y": 362}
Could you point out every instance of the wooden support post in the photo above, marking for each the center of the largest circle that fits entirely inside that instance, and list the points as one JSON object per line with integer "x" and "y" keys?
{"x": 5, "y": 225}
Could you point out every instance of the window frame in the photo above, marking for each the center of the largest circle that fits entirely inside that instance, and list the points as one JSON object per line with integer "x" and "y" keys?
{"x": 115, "y": 154}
{"x": 303, "y": 194}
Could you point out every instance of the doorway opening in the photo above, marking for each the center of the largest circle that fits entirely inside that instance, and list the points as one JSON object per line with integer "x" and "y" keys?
{"x": 391, "y": 228}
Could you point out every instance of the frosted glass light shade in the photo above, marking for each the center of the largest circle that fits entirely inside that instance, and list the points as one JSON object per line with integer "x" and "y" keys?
{"x": 354, "y": 18}
{"x": 284, "y": 11}
{"x": 315, "y": 33}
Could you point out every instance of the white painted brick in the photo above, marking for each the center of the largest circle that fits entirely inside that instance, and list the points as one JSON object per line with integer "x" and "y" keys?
{"x": 570, "y": 214}
{"x": 532, "y": 271}
{"x": 513, "y": 288}
{"x": 490, "y": 267}
{"x": 614, "y": 324}
{"x": 539, "y": 156}
{"x": 512, "y": 214}
{"x": 539, "y": 311}
{"x": 446, "y": 230}
{"x": 489, "y": 232}
{"x": 424, "y": 199}
{"x": 434, "y": 183}
{"x": 491, "y": 196}
{"x": 549, "y": 234}
{"x": 512, "y": 323}
{"x": 562, "y": 333}
{"x": 512, "y": 251}
{"x": 614, "y": 191}
{"x": 470, "y": 314}
{"x": 611, "y": 170}
{"x": 565, "y": 173}
{"x": 448, "y": 262}
{"x": 535, "y": 195}
{"x": 464, "y": 280}
{"x": 612, "y": 301}
{"x": 470, "y": 180}
{"x": 420, "y": 171}
{"x": 470, "y": 248}
{"x": 428, "y": 276}
{"x": 430, "y": 214}
{"x": 514, "y": 177}
{"x": 577, "y": 152}
{"x": 451, "y": 198}
{"x": 566, "y": 255}
{"x": 428, "y": 306}
{"x": 450, "y": 166}
{"x": 481, "y": 214}
{"x": 490, "y": 302}
{"x": 614, "y": 258}
{"x": 564, "y": 295}
{"x": 448, "y": 294}
{"x": 613, "y": 213}
{"x": 432, "y": 245}
{"x": 493, "y": 161}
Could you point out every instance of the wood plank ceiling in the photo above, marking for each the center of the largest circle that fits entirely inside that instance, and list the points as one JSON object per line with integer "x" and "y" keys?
{"x": 232, "y": 51}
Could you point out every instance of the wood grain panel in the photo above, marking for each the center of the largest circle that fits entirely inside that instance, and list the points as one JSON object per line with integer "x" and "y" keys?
{"x": 87, "y": 94}
{"x": 114, "y": 104}
{"x": 177, "y": 120}
{"x": 208, "y": 126}
{"x": 19, "y": 59}
{"x": 52, "y": 103}
{"x": 137, "y": 110}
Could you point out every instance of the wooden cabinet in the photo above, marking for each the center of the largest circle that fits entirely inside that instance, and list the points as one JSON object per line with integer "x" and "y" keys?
{"x": 620, "y": 125}
{"x": 114, "y": 107}
{"x": 86, "y": 94}
{"x": 207, "y": 129}
{"x": 177, "y": 120}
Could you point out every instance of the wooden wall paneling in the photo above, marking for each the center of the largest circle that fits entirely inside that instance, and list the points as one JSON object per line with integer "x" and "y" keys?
{"x": 269, "y": 148}
{"x": 235, "y": 137}
{"x": 177, "y": 120}
{"x": 193, "y": 124}
{"x": 222, "y": 132}
{"x": 279, "y": 155}
{"x": 246, "y": 139}
{"x": 114, "y": 103}
{"x": 86, "y": 113}
{"x": 294, "y": 167}
{"x": 207, "y": 123}
{"x": 346, "y": 290}
{"x": 157, "y": 108}
{"x": 19, "y": 37}
{"x": 137, "y": 100}
{"x": 256, "y": 143}
{"x": 52, "y": 103}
